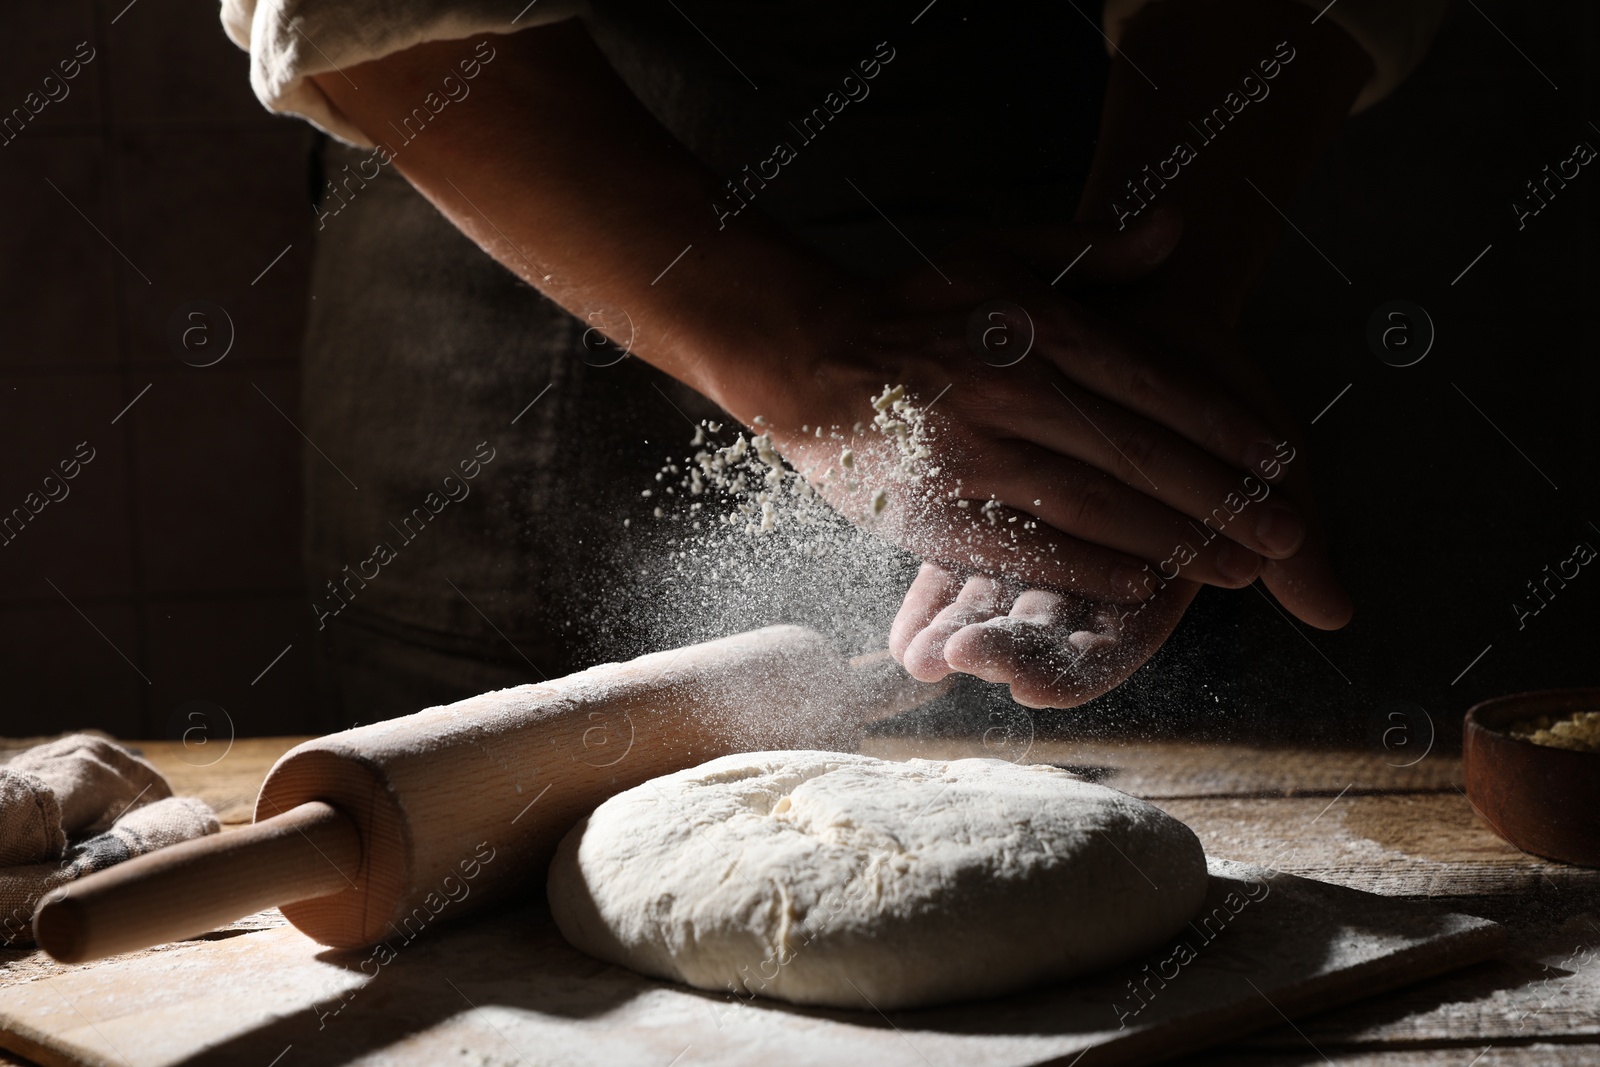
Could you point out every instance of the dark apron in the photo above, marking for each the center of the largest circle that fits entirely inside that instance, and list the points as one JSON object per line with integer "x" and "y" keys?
{"x": 421, "y": 351}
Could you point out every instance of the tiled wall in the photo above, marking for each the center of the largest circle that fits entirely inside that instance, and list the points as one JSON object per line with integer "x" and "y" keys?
{"x": 167, "y": 572}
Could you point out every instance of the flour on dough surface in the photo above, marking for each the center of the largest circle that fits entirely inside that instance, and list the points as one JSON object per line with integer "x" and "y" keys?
{"x": 837, "y": 879}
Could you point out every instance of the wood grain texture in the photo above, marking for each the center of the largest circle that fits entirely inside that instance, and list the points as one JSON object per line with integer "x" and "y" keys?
{"x": 225, "y": 774}
{"x": 1538, "y": 1006}
{"x": 507, "y": 989}
{"x": 229, "y": 780}
{"x": 427, "y": 801}
{"x": 190, "y": 888}
{"x": 1421, "y": 845}
{"x": 489, "y": 785}
{"x": 1535, "y": 1054}
{"x": 29, "y": 965}
{"x": 1544, "y": 987}
{"x": 1161, "y": 769}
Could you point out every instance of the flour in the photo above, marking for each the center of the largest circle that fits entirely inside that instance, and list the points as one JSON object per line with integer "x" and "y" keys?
{"x": 738, "y": 537}
{"x": 756, "y": 491}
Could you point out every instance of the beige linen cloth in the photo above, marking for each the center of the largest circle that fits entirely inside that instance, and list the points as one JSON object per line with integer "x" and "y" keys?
{"x": 77, "y": 805}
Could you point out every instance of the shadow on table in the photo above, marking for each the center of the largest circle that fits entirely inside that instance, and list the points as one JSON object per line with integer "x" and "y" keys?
{"x": 1551, "y": 938}
{"x": 1262, "y": 942}
{"x": 509, "y": 958}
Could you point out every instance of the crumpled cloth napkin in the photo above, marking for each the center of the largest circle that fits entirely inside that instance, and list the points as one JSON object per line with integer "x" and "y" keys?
{"x": 77, "y": 805}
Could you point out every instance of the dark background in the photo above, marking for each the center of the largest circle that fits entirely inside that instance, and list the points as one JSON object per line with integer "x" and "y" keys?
{"x": 180, "y": 541}
{"x": 171, "y": 574}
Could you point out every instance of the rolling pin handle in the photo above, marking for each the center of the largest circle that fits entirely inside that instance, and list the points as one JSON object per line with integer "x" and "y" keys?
{"x": 311, "y": 850}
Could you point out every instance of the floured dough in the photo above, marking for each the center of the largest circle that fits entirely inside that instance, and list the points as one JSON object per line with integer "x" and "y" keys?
{"x": 843, "y": 880}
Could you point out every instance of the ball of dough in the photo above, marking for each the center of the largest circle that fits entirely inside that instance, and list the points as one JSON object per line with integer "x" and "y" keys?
{"x": 843, "y": 880}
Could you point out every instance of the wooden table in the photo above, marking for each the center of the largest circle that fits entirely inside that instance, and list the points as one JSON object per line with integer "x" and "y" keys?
{"x": 1347, "y": 817}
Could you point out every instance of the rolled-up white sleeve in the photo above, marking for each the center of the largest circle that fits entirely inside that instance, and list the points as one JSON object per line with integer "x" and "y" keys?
{"x": 1395, "y": 33}
{"x": 290, "y": 40}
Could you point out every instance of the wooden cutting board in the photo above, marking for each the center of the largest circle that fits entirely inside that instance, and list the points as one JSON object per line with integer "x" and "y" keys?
{"x": 508, "y": 990}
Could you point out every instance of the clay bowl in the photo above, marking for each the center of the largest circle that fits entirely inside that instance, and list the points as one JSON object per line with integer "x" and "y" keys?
{"x": 1543, "y": 800}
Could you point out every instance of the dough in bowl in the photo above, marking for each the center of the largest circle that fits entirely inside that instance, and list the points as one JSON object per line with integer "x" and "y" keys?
{"x": 835, "y": 879}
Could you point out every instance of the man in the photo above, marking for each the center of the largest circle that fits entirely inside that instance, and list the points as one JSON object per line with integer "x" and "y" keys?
{"x": 785, "y": 207}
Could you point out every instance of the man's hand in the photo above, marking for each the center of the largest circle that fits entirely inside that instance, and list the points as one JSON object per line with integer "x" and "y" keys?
{"x": 1080, "y": 467}
{"x": 1055, "y": 650}
{"x": 1099, "y": 453}
{"x": 1060, "y": 649}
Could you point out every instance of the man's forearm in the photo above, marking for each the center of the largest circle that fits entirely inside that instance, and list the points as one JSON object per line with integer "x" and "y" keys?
{"x": 554, "y": 167}
{"x": 557, "y": 171}
{"x": 1246, "y": 95}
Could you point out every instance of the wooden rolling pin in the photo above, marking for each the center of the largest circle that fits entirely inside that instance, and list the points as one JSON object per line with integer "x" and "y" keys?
{"x": 376, "y": 832}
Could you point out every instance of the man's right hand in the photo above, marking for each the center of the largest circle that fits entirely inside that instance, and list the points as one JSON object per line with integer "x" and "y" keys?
{"x": 1105, "y": 457}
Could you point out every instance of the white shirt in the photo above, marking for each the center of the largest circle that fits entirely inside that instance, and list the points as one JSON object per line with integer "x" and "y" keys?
{"x": 291, "y": 40}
